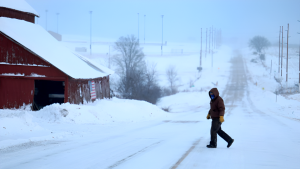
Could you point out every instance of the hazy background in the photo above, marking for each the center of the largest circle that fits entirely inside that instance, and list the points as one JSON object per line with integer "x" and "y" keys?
{"x": 239, "y": 20}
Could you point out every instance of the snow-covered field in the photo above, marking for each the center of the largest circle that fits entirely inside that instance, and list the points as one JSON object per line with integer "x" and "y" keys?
{"x": 129, "y": 134}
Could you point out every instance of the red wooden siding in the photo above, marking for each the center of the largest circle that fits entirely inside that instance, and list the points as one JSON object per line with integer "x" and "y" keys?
{"x": 15, "y": 92}
{"x": 11, "y": 13}
{"x": 76, "y": 86}
{"x": 12, "y": 52}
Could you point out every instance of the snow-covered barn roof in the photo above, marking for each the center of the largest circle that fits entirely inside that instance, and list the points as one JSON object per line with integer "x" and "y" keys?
{"x": 19, "y": 5}
{"x": 39, "y": 41}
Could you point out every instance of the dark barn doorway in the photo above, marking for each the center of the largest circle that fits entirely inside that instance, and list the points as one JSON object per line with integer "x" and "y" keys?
{"x": 48, "y": 92}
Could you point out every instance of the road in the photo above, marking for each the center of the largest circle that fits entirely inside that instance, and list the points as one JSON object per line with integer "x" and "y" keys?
{"x": 262, "y": 140}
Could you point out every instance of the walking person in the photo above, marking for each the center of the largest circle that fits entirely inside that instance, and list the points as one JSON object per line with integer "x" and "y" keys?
{"x": 216, "y": 113}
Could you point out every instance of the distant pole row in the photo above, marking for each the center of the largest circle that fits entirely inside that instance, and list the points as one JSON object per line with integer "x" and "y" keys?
{"x": 57, "y": 15}
{"x": 287, "y": 50}
{"x": 214, "y": 41}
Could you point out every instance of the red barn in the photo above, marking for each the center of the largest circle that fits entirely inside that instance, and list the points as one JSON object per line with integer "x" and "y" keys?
{"x": 36, "y": 69}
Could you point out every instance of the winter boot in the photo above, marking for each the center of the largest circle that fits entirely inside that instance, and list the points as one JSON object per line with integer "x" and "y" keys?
{"x": 230, "y": 142}
{"x": 211, "y": 146}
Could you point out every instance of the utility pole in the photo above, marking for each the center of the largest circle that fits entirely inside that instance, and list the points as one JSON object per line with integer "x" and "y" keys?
{"x": 287, "y": 53}
{"x": 91, "y": 32}
{"x": 279, "y": 50}
{"x": 201, "y": 51}
{"x": 162, "y": 33}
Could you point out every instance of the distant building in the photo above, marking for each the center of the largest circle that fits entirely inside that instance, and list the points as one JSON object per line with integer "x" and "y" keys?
{"x": 80, "y": 49}
{"x": 36, "y": 69}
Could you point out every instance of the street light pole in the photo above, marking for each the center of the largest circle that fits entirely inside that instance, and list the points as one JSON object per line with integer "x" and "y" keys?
{"x": 287, "y": 53}
{"x": 206, "y": 44}
{"x": 279, "y": 50}
{"x": 91, "y": 12}
{"x": 212, "y": 38}
{"x": 209, "y": 40}
{"x": 57, "y": 22}
{"x": 162, "y": 33}
{"x": 299, "y": 62}
{"x": 201, "y": 51}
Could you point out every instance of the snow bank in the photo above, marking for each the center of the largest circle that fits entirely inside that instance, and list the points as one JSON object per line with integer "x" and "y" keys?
{"x": 100, "y": 112}
{"x": 22, "y": 125}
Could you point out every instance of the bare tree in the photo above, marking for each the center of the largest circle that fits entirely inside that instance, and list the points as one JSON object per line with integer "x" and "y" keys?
{"x": 130, "y": 64}
{"x": 137, "y": 79}
{"x": 172, "y": 77}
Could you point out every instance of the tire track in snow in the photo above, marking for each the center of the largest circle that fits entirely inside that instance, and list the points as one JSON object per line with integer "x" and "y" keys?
{"x": 132, "y": 155}
{"x": 186, "y": 154}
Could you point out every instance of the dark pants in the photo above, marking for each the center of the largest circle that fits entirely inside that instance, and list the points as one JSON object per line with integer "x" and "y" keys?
{"x": 216, "y": 129}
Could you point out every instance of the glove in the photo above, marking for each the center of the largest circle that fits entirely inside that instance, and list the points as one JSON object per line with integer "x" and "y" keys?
{"x": 208, "y": 116}
{"x": 221, "y": 119}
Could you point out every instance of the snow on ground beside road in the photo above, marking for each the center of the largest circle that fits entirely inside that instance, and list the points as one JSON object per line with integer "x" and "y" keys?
{"x": 263, "y": 95}
{"x": 20, "y": 126}
{"x": 266, "y": 100}
{"x": 195, "y": 97}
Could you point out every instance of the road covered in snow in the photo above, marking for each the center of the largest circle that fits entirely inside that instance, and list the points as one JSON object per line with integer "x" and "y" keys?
{"x": 265, "y": 134}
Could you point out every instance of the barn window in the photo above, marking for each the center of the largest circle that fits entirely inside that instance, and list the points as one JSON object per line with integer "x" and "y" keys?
{"x": 48, "y": 92}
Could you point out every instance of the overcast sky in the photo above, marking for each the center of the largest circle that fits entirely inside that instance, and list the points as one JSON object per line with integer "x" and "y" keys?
{"x": 182, "y": 22}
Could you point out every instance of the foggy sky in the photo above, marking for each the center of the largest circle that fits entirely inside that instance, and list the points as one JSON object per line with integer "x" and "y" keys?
{"x": 182, "y": 22}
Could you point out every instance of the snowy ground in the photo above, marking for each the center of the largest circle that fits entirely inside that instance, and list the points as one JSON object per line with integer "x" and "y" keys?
{"x": 134, "y": 134}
